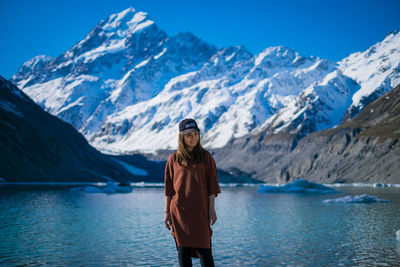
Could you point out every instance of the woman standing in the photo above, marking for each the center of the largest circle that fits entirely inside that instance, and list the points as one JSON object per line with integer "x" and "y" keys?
{"x": 191, "y": 185}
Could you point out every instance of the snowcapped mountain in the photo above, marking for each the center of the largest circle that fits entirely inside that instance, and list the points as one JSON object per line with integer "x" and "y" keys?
{"x": 127, "y": 85}
{"x": 320, "y": 106}
{"x": 124, "y": 60}
{"x": 340, "y": 95}
{"x": 232, "y": 93}
{"x": 377, "y": 70}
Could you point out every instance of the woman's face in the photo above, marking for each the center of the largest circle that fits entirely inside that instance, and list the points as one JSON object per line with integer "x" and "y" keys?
{"x": 191, "y": 140}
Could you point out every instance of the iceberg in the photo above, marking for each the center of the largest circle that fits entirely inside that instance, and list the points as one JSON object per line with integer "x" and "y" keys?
{"x": 87, "y": 189}
{"x": 356, "y": 199}
{"x": 297, "y": 186}
{"x": 109, "y": 188}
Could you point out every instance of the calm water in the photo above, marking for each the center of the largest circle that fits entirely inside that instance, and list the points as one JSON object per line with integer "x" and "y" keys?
{"x": 63, "y": 228}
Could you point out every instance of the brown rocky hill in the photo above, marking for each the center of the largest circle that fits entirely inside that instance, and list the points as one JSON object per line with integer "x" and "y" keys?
{"x": 38, "y": 147}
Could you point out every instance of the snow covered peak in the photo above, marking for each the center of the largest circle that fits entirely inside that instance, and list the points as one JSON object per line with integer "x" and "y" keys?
{"x": 34, "y": 66}
{"x": 227, "y": 59}
{"x": 377, "y": 70}
{"x": 126, "y": 22}
{"x": 35, "y": 62}
{"x": 276, "y": 54}
{"x": 391, "y": 36}
{"x": 117, "y": 34}
{"x": 232, "y": 53}
{"x": 320, "y": 106}
{"x": 282, "y": 59}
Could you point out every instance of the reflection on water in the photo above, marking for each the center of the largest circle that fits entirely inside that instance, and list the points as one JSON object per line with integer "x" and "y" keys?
{"x": 60, "y": 227}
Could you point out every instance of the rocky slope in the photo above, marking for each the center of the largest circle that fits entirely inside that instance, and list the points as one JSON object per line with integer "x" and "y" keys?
{"x": 36, "y": 146}
{"x": 364, "y": 149}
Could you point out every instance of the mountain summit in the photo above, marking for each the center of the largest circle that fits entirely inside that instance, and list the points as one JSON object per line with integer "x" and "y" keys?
{"x": 127, "y": 85}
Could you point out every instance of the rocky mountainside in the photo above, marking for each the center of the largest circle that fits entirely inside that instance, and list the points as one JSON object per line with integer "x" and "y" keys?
{"x": 365, "y": 148}
{"x": 36, "y": 146}
{"x": 128, "y": 84}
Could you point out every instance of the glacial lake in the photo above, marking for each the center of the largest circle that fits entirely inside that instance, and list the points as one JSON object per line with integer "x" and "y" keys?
{"x": 59, "y": 227}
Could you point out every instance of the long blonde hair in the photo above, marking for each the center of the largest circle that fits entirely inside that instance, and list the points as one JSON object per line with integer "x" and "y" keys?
{"x": 184, "y": 156}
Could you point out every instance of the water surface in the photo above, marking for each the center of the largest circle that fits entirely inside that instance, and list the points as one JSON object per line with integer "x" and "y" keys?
{"x": 64, "y": 228}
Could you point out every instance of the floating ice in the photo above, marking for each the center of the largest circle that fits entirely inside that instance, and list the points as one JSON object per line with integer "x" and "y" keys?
{"x": 398, "y": 235}
{"x": 110, "y": 188}
{"x": 87, "y": 189}
{"x": 297, "y": 186}
{"x": 356, "y": 199}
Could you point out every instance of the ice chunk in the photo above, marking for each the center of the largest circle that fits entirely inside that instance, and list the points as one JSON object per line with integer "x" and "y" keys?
{"x": 109, "y": 188}
{"x": 112, "y": 187}
{"x": 398, "y": 235}
{"x": 356, "y": 199}
{"x": 87, "y": 189}
{"x": 297, "y": 186}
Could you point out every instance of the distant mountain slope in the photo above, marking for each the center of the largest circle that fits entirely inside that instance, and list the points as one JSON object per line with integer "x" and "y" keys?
{"x": 376, "y": 70}
{"x": 364, "y": 149}
{"x": 36, "y": 146}
{"x": 126, "y": 86}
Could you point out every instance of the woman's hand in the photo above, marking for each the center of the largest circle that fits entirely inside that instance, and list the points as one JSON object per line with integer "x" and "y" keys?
{"x": 212, "y": 216}
{"x": 167, "y": 220}
{"x": 167, "y": 215}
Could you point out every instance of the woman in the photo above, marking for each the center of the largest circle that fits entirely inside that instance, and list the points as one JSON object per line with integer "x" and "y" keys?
{"x": 191, "y": 185}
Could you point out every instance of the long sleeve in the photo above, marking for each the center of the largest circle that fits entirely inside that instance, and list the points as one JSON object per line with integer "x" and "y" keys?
{"x": 212, "y": 177}
{"x": 168, "y": 177}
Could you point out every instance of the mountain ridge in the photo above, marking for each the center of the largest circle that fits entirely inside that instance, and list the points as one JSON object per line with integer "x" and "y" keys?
{"x": 130, "y": 84}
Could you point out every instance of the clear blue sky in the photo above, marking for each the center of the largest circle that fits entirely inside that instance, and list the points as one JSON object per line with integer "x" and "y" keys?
{"x": 330, "y": 29}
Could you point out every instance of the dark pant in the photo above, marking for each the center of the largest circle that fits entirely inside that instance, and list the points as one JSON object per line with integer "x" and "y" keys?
{"x": 185, "y": 256}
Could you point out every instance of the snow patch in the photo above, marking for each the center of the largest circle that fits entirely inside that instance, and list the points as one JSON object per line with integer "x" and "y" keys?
{"x": 132, "y": 169}
{"x": 230, "y": 57}
{"x": 110, "y": 47}
{"x": 162, "y": 53}
{"x": 143, "y": 63}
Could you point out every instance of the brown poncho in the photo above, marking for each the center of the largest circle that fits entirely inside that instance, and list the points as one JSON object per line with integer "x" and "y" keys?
{"x": 190, "y": 188}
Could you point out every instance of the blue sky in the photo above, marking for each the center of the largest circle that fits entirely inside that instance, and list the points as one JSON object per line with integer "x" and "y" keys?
{"x": 324, "y": 28}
